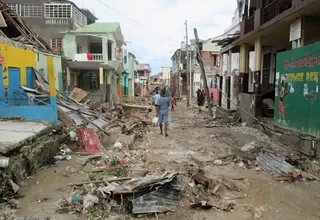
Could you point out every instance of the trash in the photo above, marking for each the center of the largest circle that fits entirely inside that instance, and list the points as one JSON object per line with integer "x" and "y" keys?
{"x": 139, "y": 183}
{"x": 62, "y": 157}
{"x": 75, "y": 197}
{"x": 202, "y": 205}
{"x": 90, "y": 141}
{"x": 73, "y": 136}
{"x": 258, "y": 212}
{"x": 248, "y": 147}
{"x": 218, "y": 162}
{"x": 241, "y": 164}
{"x": 155, "y": 120}
{"x": 89, "y": 200}
{"x": 200, "y": 178}
{"x": 161, "y": 200}
{"x": 15, "y": 187}
{"x": 4, "y": 162}
{"x": 118, "y": 145}
{"x": 13, "y": 203}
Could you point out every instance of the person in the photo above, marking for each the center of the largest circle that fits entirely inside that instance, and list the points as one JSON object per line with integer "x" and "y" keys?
{"x": 157, "y": 102}
{"x": 199, "y": 99}
{"x": 211, "y": 97}
{"x": 172, "y": 102}
{"x": 164, "y": 113}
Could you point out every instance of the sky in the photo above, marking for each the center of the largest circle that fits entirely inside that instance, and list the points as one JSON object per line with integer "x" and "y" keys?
{"x": 155, "y": 28}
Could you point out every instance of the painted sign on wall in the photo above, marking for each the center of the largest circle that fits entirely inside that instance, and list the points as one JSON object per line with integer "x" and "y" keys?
{"x": 297, "y": 98}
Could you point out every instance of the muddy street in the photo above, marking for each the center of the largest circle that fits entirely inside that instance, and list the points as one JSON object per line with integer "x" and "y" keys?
{"x": 239, "y": 189}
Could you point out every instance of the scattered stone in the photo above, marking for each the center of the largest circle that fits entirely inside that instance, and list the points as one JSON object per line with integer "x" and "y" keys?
{"x": 258, "y": 212}
{"x": 248, "y": 147}
{"x": 118, "y": 145}
{"x": 218, "y": 162}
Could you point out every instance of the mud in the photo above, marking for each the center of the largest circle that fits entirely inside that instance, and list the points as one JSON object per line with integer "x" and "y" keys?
{"x": 25, "y": 161}
{"x": 189, "y": 145}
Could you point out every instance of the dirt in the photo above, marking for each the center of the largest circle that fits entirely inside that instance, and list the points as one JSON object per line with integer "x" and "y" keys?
{"x": 256, "y": 193}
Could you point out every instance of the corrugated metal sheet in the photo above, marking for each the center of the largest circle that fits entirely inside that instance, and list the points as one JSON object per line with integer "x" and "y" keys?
{"x": 272, "y": 163}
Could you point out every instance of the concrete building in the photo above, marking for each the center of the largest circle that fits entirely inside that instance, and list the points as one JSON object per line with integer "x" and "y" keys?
{"x": 166, "y": 75}
{"x": 284, "y": 39}
{"x": 179, "y": 73}
{"x": 51, "y": 19}
{"x": 95, "y": 61}
{"x": 143, "y": 75}
{"x": 128, "y": 74}
{"x": 23, "y": 92}
{"x": 229, "y": 72}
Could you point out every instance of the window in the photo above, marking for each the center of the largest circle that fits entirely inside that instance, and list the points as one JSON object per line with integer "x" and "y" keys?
{"x": 79, "y": 18}
{"x": 56, "y": 44}
{"x": 79, "y": 48}
{"x": 57, "y": 10}
{"x": 13, "y": 7}
{"x": 30, "y": 10}
{"x": 57, "y": 21}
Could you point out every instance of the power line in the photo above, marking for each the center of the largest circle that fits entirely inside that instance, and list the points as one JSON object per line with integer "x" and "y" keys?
{"x": 141, "y": 57}
{"x": 167, "y": 38}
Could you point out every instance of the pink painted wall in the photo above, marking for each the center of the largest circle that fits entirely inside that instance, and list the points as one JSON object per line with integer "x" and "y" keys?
{"x": 216, "y": 95}
{"x": 143, "y": 91}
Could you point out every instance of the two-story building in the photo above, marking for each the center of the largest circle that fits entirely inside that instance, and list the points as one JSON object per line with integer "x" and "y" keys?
{"x": 95, "y": 60}
{"x": 179, "y": 73}
{"x": 128, "y": 76}
{"x": 143, "y": 75}
{"x": 283, "y": 36}
{"x": 51, "y": 19}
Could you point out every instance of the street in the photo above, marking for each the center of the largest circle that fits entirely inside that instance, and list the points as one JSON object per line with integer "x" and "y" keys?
{"x": 245, "y": 191}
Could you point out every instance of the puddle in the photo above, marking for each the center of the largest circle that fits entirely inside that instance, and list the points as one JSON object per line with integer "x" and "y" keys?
{"x": 42, "y": 193}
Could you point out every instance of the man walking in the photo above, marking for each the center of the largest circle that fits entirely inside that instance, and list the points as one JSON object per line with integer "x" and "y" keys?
{"x": 164, "y": 113}
{"x": 157, "y": 102}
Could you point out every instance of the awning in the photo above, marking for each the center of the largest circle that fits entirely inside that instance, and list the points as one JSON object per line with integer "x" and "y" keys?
{"x": 88, "y": 65}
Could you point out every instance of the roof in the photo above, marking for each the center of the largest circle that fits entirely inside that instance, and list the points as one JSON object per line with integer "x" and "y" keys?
{"x": 99, "y": 27}
{"x": 16, "y": 29}
{"x": 89, "y": 14}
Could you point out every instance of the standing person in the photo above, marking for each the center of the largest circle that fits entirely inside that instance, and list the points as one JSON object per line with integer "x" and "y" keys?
{"x": 164, "y": 113}
{"x": 157, "y": 102}
{"x": 199, "y": 99}
{"x": 172, "y": 102}
{"x": 211, "y": 97}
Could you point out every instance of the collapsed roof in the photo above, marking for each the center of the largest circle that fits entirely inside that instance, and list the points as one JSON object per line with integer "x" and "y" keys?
{"x": 14, "y": 28}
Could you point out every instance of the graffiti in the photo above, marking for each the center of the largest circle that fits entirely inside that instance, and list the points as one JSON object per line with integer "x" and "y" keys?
{"x": 311, "y": 97}
{"x": 306, "y": 61}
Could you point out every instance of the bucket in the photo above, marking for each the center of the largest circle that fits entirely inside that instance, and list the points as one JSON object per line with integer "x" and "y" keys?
{"x": 4, "y": 162}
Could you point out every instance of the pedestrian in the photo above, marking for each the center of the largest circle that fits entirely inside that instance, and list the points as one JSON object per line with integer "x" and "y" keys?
{"x": 211, "y": 96}
{"x": 172, "y": 102}
{"x": 157, "y": 102}
{"x": 164, "y": 113}
{"x": 199, "y": 99}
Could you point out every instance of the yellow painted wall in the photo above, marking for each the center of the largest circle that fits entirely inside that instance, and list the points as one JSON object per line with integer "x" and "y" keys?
{"x": 16, "y": 57}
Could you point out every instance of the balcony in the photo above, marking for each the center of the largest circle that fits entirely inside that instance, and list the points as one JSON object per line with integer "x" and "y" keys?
{"x": 249, "y": 24}
{"x": 97, "y": 57}
{"x": 274, "y": 9}
{"x": 93, "y": 57}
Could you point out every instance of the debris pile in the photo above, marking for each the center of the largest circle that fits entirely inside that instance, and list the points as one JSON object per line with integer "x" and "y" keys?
{"x": 138, "y": 195}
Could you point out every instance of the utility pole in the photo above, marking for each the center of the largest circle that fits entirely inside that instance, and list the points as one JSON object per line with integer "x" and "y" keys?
{"x": 188, "y": 66}
{"x": 203, "y": 71}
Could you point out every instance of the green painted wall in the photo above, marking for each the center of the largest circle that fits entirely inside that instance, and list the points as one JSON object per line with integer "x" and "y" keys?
{"x": 131, "y": 61}
{"x": 297, "y": 82}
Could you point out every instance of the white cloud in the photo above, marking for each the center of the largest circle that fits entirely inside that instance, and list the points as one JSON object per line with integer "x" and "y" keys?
{"x": 166, "y": 17}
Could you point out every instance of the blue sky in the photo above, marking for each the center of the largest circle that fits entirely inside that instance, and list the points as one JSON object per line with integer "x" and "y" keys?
{"x": 164, "y": 22}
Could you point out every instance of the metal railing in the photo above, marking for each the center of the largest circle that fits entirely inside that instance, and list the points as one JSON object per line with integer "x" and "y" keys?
{"x": 249, "y": 25}
{"x": 274, "y": 9}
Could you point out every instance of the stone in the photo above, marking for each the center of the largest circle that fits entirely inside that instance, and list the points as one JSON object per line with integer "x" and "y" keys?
{"x": 248, "y": 147}
{"x": 117, "y": 145}
{"x": 218, "y": 162}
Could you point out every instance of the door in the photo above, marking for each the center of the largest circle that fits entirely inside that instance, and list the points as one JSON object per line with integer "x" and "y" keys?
{"x": 30, "y": 78}
{"x": 1, "y": 86}
{"x": 14, "y": 86}
{"x": 228, "y": 91}
{"x": 266, "y": 72}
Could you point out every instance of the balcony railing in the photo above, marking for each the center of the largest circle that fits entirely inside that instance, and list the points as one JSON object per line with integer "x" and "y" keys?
{"x": 97, "y": 57}
{"x": 274, "y": 9}
{"x": 249, "y": 25}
